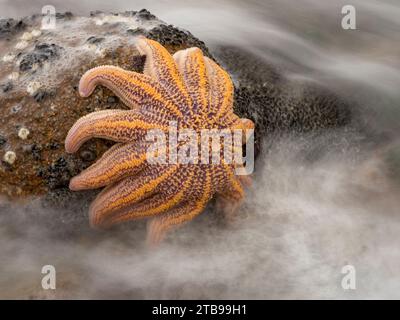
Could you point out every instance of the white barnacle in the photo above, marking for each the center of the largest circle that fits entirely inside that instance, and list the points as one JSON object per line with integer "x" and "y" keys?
{"x": 36, "y": 33}
{"x": 10, "y": 157}
{"x": 32, "y": 87}
{"x": 21, "y": 45}
{"x": 91, "y": 47}
{"x": 100, "y": 52}
{"x": 13, "y": 75}
{"x": 8, "y": 57}
{"x": 99, "y": 22}
{"x": 23, "y": 133}
{"x": 26, "y": 36}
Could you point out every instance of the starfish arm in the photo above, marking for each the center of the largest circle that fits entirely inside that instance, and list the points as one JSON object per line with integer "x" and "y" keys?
{"x": 192, "y": 66}
{"x": 228, "y": 208}
{"x": 231, "y": 188}
{"x": 161, "y": 66}
{"x": 178, "y": 215}
{"x": 234, "y": 192}
{"x": 125, "y": 193}
{"x": 133, "y": 88}
{"x": 221, "y": 90}
{"x": 246, "y": 181}
{"x": 160, "y": 225}
{"x": 119, "y": 161}
{"x": 187, "y": 88}
{"x": 230, "y": 199}
{"x": 116, "y": 125}
{"x": 157, "y": 204}
{"x": 242, "y": 123}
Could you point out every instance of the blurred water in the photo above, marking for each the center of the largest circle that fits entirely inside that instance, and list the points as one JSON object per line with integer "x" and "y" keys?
{"x": 301, "y": 221}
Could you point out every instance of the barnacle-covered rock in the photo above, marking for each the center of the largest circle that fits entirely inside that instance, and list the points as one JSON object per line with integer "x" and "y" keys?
{"x": 39, "y": 77}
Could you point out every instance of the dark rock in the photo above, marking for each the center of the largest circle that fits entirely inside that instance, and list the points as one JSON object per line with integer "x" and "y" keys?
{"x": 40, "y": 53}
{"x": 290, "y": 108}
{"x": 136, "y": 31}
{"x": 36, "y": 152}
{"x": 6, "y": 87}
{"x": 3, "y": 140}
{"x": 145, "y": 15}
{"x": 138, "y": 63}
{"x": 87, "y": 155}
{"x": 58, "y": 174}
{"x": 40, "y": 95}
{"x": 173, "y": 37}
{"x": 94, "y": 40}
{"x": 9, "y": 27}
{"x": 279, "y": 106}
{"x": 112, "y": 99}
{"x": 64, "y": 15}
{"x": 53, "y": 145}
{"x": 95, "y": 13}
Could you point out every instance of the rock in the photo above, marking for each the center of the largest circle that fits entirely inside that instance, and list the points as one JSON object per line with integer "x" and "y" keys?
{"x": 145, "y": 15}
{"x": 94, "y": 40}
{"x": 40, "y": 54}
{"x": 45, "y": 99}
{"x": 280, "y": 106}
{"x": 10, "y": 27}
{"x": 6, "y": 87}
{"x": 176, "y": 39}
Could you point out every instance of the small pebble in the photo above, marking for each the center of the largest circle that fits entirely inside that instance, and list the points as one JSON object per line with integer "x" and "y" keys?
{"x": 8, "y": 57}
{"x": 13, "y": 76}
{"x": 23, "y": 133}
{"x": 87, "y": 155}
{"x": 98, "y": 22}
{"x": 2, "y": 140}
{"x": 26, "y": 36}
{"x": 36, "y": 33}
{"x": 16, "y": 108}
{"x": 112, "y": 99}
{"x": 10, "y": 157}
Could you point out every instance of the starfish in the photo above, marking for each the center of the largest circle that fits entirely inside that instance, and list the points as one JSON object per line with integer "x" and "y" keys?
{"x": 188, "y": 88}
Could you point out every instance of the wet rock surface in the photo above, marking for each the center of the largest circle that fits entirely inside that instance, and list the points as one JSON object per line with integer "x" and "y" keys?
{"x": 39, "y": 92}
{"x": 40, "y": 53}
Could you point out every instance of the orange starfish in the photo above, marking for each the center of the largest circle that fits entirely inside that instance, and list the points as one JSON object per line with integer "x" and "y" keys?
{"x": 187, "y": 88}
